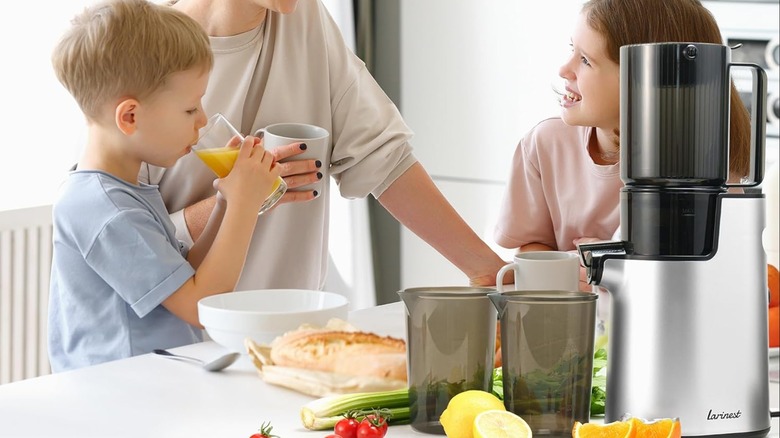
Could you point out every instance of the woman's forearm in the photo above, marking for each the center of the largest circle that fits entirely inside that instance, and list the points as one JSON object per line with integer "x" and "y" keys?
{"x": 206, "y": 233}
{"x": 196, "y": 216}
{"x": 415, "y": 201}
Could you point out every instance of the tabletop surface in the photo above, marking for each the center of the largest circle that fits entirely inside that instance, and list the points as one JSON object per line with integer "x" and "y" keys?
{"x": 151, "y": 396}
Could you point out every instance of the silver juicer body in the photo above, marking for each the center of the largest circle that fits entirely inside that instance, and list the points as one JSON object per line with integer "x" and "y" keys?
{"x": 688, "y": 334}
{"x": 688, "y": 339}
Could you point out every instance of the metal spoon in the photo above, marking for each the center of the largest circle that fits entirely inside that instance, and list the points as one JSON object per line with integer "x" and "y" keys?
{"x": 217, "y": 364}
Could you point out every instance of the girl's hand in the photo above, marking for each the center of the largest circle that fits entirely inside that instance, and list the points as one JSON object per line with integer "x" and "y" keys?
{"x": 297, "y": 173}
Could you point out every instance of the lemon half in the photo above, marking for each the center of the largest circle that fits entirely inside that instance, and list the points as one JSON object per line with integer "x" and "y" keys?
{"x": 500, "y": 424}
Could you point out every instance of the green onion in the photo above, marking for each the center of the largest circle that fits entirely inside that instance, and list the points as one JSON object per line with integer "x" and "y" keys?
{"x": 325, "y": 412}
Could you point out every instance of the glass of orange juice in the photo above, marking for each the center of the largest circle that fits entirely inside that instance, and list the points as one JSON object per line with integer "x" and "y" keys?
{"x": 214, "y": 150}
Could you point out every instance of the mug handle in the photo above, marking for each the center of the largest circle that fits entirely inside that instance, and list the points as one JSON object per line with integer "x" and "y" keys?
{"x": 502, "y": 273}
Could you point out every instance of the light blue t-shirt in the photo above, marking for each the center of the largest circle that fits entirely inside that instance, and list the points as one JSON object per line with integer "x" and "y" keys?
{"x": 115, "y": 260}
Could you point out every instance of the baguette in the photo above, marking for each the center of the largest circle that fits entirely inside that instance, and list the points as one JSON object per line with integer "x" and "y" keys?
{"x": 342, "y": 352}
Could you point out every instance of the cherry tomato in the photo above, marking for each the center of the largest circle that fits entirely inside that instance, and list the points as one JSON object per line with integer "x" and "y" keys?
{"x": 347, "y": 428}
{"x": 333, "y": 435}
{"x": 265, "y": 432}
{"x": 373, "y": 426}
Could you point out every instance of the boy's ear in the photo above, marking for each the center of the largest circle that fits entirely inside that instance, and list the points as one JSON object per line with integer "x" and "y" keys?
{"x": 124, "y": 116}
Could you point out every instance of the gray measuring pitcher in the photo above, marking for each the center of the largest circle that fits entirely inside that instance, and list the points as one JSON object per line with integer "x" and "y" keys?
{"x": 451, "y": 335}
{"x": 547, "y": 341}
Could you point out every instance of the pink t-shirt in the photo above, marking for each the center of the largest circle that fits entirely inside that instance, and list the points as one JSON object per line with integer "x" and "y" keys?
{"x": 556, "y": 193}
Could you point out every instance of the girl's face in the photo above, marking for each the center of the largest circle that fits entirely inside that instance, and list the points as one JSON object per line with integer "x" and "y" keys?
{"x": 592, "y": 81}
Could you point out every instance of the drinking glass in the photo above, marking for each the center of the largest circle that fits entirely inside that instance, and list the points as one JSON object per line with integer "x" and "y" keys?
{"x": 212, "y": 148}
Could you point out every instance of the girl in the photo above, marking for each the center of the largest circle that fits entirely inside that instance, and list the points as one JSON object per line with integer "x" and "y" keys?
{"x": 564, "y": 185}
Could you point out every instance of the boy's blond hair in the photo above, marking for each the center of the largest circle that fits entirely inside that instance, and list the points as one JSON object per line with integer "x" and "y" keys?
{"x": 127, "y": 48}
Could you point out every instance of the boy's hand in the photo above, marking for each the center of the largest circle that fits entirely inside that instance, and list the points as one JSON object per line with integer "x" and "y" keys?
{"x": 253, "y": 176}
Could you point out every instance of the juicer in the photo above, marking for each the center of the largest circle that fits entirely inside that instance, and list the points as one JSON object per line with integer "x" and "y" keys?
{"x": 687, "y": 281}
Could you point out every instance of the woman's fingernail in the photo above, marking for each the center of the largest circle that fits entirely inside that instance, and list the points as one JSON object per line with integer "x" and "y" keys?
{"x": 319, "y": 175}
{"x": 303, "y": 146}
{"x": 315, "y": 193}
{"x": 318, "y": 163}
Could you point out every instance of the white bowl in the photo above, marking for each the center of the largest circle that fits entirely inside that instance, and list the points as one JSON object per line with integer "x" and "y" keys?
{"x": 264, "y": 314}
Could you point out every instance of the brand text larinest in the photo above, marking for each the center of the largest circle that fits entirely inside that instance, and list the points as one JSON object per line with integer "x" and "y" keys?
{"x": 723, "y": 415}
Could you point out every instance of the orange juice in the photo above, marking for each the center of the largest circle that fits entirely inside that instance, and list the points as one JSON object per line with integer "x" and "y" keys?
{"x": 220, "y": 160}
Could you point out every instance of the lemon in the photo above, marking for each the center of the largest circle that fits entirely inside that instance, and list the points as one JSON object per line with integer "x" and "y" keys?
{"x": 499, "y": 423}
{"x": 458, "y": 418}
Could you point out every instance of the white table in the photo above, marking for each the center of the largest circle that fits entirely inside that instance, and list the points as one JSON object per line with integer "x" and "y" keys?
{"x": 150, "y": 396}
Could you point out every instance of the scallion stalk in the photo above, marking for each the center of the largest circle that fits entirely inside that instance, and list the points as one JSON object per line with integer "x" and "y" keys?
{"x": 325, "y": 412}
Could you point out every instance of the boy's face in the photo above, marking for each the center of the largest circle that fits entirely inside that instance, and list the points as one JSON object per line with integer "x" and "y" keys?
{"x": 592, "y": 81}
{"x": 168, "y": 121}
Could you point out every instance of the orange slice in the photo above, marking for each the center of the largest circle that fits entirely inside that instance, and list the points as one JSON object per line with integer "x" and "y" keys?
{"x": 616, "y": 429}
{"x": 661, "y": 428}
{"x": 631, "y": 428}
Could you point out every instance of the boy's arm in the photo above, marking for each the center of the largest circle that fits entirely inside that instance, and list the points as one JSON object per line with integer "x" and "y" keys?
{"x": 226, "y": 243}
{"x": 221, "y": 266}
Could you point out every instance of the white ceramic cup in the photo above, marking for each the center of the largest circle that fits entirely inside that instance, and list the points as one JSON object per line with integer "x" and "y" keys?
{"x": 317, "y": 141}
{"x": 542, "y": 270}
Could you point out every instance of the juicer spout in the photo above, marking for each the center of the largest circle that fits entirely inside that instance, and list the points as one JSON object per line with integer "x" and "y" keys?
{"x": 591, "y": 256}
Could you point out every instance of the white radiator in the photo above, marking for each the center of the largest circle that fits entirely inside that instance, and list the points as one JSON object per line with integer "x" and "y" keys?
{"x": 25, "y": 265}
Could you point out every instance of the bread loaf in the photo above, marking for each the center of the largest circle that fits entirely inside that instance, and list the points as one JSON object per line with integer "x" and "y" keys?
{"x": 343, "y": 352}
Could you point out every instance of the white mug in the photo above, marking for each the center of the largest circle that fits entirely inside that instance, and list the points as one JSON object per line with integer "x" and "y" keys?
{"x": 317, "y": 145}
{"x": 542, "y": 270}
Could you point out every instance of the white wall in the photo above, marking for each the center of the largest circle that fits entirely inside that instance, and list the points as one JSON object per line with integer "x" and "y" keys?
{"x": 475, "y": 76}
{"x": 40, "y": 123}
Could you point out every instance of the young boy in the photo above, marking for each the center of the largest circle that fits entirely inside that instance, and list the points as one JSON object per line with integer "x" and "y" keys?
{"x": 121, "y": 283}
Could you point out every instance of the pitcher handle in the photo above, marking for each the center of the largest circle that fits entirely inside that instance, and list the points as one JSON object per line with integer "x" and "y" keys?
{"x": 757, "y": 123}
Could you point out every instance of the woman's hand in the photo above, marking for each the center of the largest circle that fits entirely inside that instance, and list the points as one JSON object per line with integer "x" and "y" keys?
{"x": 297, "y": 173}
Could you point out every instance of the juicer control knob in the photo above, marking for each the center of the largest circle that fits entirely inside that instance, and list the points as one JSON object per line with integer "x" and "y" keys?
{"x": 690, "y": 51}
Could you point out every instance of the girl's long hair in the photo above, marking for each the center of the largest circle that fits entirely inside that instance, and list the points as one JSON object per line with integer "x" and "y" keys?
{"x": 623, "y": 22}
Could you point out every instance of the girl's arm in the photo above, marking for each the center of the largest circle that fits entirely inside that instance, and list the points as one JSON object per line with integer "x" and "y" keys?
{"x": 535, "y": 247}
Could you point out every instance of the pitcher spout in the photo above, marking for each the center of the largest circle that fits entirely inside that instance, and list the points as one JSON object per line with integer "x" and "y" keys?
{"x": 409, "y": 299}
{"x": 499, "y": 300}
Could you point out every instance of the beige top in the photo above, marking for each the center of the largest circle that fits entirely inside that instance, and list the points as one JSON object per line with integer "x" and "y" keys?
{"x": 307, "y": 74}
